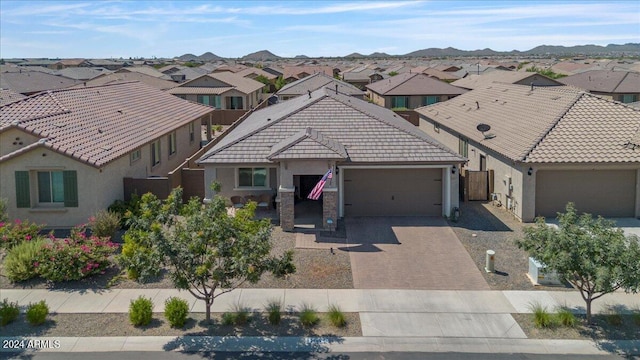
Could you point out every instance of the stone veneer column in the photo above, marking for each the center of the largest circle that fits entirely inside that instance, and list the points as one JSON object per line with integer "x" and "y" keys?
{"x": 330, "y": 208}
{"x": 286, "y": 208}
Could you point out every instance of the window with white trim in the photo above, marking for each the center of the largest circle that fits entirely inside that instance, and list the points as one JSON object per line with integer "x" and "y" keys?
{"x": 252, "y": 177}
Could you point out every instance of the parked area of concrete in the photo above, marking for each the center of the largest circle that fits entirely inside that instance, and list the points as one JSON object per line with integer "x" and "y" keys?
{"x": 409, "y": 253}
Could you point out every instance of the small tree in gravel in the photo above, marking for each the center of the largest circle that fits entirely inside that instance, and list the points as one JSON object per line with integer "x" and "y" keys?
{"x": 209, "y": 252}
{"x": 593, "y": 254}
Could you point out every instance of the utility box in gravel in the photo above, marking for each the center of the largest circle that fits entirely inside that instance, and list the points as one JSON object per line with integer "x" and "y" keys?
{"x": 539, "y": 275}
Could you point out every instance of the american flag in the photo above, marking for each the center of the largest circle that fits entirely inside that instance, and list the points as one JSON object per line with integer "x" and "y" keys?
{"x": 317, "y": 190}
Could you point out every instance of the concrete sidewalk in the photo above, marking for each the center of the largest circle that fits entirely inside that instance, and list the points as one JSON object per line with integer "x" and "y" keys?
{"x": 412, "y": 320}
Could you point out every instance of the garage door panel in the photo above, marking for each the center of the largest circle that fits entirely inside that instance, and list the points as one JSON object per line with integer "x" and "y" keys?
{"x": 400, "y": 192}
{"x": 598, "y": 192}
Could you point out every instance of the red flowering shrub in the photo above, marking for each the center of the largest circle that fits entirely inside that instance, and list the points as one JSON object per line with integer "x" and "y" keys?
{"x": 12, "y": 234}
{"x": 75, "y": 257}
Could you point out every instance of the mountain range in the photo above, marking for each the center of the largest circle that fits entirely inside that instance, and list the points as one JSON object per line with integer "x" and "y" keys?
{"x": 630, "y": 49}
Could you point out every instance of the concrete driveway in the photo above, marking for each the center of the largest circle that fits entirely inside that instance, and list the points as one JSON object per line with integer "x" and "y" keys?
{"x": 409, "y": 253}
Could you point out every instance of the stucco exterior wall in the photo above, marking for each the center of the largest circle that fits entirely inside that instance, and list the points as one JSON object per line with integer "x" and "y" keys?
{"x": 226, "y": 176}
{"x": 15, "y": 139}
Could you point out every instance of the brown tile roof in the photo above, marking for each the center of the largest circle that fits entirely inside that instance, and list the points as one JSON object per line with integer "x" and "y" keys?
{"x": 439, "y": 74}
{"x": 508, "y": 77}
{"x": 605, "y": 81}
{"x": 295, "y": 71}
{"x": 253, "y": 72}
{"x": 317, "y": 81}
{"x": 368, "y": 132}
{"x": 128, "y": 77}
{"x": 550, "y": 124}
{"x": 147, "y": 70}
{"x": 8, "y": 96}
{"x": 99, "y": 124}
{"x": 413, "y": 84}
{"x": 308, "y": 144}
{"x": 199, "y": 90}
{"x": 238, "y": 82}
{"x": 30, "y": 82}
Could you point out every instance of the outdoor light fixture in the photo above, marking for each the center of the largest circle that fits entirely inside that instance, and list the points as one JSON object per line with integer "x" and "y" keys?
{"x": 530, "y": 171}
{"x": 453, "y": 170}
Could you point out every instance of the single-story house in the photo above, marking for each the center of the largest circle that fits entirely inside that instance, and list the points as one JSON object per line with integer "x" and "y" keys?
{"x": 64, "y": 153}
{"x": 381, "y": 165}
{"x": 315, "y": 82}
{"x": 623, "y": 86}
{"x": 224, "y": 90}
{"x": 27, "y": 82}
{"x": 293, "y": 73}
{"x": 546, "y": 146}
{"x": 471, "y": 82}
{"x": 411, "y": 90}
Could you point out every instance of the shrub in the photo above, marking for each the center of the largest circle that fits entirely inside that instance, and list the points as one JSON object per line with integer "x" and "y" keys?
{"x": 12, "y": 234}
{"x": 9, "y": 312}
{"x": 21, "y": 262}
{"x": 308, "y": 316}
{"x": 105, "y": 223}
{"x": 140, "y": 259}
{"x": 76, "y": 257}
{"x": 228, "y": 318}
{"x": 37, "y": 313}
{"x": 176, "y": 311}
{"x": 336, "y": 316}
{"x": 636, "y": 317}
{"x": 4, "y": 216}
{"x": 274, "y": 311}
{"x": 541, "y": 317}
{"x": 565, "y": 317}
{"x": 140, "y": 311}
{"x": 126, "y": 209}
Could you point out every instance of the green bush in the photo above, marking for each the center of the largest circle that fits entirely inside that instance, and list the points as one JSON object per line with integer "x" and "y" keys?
{"x": 37, "y": 313}
{"x": 176, "y": 311}
{"x": 126, "y": 209}
{"x": 138, "y": 256}
{"x": 76, "y": 257}
{"x": 141, "y": 311}
{"x": 613, "y": 319}
{"x": 636, "y": 317}
{"x": 12, "y": 234}
{"x": 336, "y": 316}
{"x": 9, "y": 312}
{"x": 274, "y": 311}
{"x": 228, "y": 319}
{"x": 541, "y": 317}
{"x": 21, "y": 262}
{"x": 4, "y": 216}
{"x": 308, "y": 316}
{"x": 105, "y": 223}
{"x": 565, "y": 317}
{"x": 239, "y": 315}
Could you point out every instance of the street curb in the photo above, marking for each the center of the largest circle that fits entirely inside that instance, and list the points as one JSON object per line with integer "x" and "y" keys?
{"x": 321, "y": 344}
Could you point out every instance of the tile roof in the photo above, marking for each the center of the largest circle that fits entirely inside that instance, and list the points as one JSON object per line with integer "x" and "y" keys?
{"x": 308, "y": 144}
{"x": 317, "y": 81}
{"x": 368, "y": 132}
{"x": 147, "y": 70}
{"x": 414, "y": 84}
{"x": 8, "y": 96}
{"x": 99, "y": 124}
{"x": 128, "y": 77}
{"x": 549, "y": 124}
{"x": 29, "y": 82}
{"x": 250, "y": 72}
{"x": 473, "y": 81}
{"x": 295, "y": 71}
{"x": 82, "y": 73}
{"x": 605, "y": 81}
{"x": 238, "y": 82}
{"x": 199, "y": 90}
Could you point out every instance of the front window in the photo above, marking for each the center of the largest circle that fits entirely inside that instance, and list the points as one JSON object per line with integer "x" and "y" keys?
{"x": 428, "y": 100}
{"x": 463, "y": 147}
{"x": 172, "y": 143}
{"x": 155, "y": 153}
{"x": 234, "y": 103}
{"x": 252, "y": 177}
{"x": 211, "y": 100}
{"x": 50, "y": 187}
{"x": 629, "y": 98}
{"x": 400, "y": 102}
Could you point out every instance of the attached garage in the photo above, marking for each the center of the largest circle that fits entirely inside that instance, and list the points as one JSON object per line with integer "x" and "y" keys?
{"x": 609, "y": 193}
{"x": 392, "y": 192}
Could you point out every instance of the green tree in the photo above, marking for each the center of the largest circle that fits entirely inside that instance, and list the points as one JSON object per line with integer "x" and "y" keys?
{"x": 393, "y": 73}
{"x": 546, "y": 72}
{"x": 209, "y": 252}
{"x": 280, "y": 83}
{"x": 592, "y": 254}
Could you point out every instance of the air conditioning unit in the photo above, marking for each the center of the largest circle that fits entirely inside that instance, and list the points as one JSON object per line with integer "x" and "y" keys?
{"x": 539, "y": 275}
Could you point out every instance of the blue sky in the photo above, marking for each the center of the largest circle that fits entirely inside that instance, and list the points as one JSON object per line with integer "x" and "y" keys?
{"x": 113, "y": 29}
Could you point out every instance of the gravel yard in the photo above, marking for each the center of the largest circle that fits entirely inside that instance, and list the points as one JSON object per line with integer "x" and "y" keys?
{"x": 600, "y": 330}
{"x": 316, "y": 269}
{"x": 118, "y": 325}
{"x": 483, "y": 227}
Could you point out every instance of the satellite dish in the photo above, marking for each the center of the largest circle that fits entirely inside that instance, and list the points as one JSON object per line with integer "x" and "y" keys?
{"x": 483, "y": 127}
